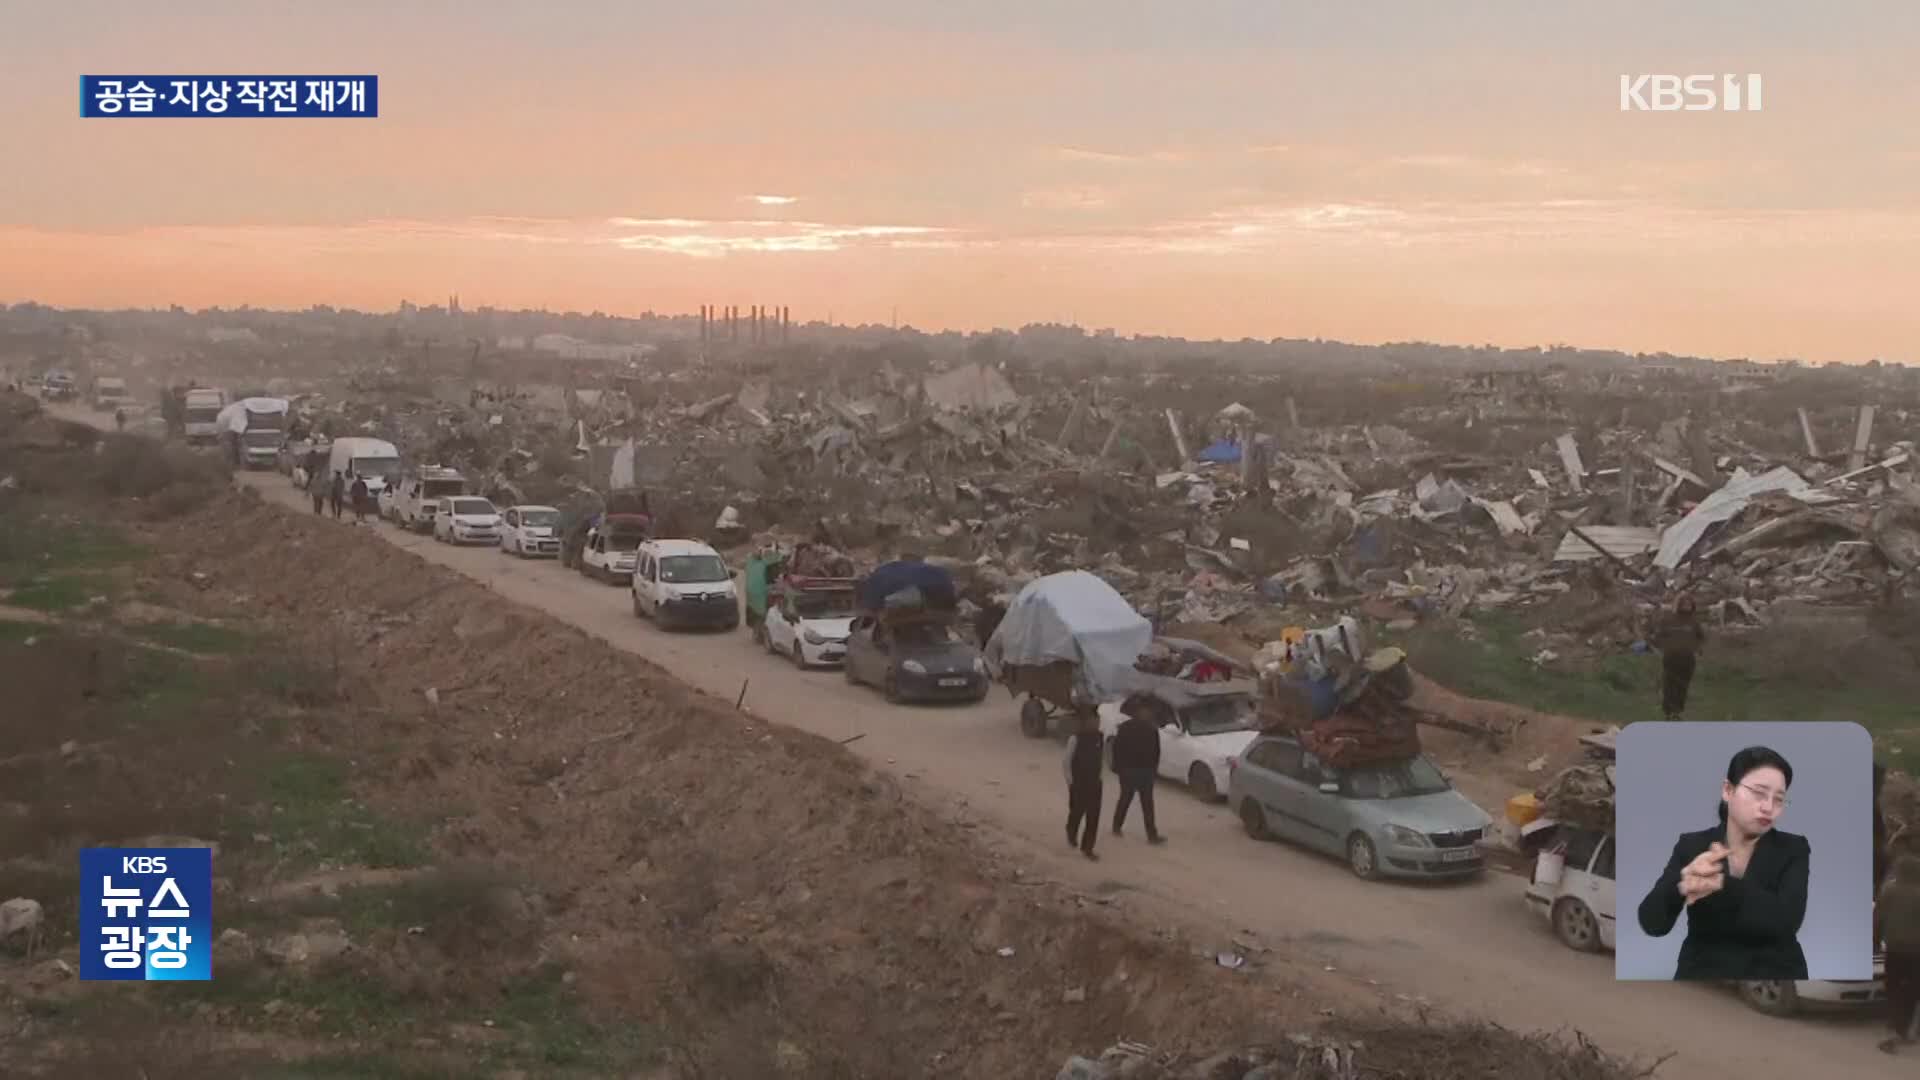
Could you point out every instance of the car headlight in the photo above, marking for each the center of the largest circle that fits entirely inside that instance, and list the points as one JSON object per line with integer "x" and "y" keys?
{"x": 913, "y": 666}
{"x": 813, "y": 638}
{"x": 1406, "y": 837}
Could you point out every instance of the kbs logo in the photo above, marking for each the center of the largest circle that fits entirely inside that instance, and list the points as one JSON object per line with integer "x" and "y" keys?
{"x": 1689, "y": 93}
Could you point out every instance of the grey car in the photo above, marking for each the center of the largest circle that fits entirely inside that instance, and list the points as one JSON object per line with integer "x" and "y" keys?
{"x": 1401, "y": 820}
{"x": 914, "y": 661}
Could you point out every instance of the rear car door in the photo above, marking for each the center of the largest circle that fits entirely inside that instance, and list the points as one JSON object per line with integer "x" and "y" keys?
{"x": 1323, "y": 814}
{"x": 1265, "y": 769}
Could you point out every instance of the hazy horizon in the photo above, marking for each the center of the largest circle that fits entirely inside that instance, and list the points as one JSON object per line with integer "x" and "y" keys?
{"x": 1457, "y": 174}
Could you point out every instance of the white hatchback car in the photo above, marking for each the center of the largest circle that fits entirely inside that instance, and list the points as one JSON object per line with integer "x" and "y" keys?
{"x": 530, "y": 531}
{"x": 466, "y": 519}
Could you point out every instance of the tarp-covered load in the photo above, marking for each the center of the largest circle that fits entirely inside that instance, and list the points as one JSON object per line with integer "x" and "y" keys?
{"x": 259, "y": 412}
{"x": 1073, "y": 618}
{"x": 1581, "y": 795}
{"x": 909, "y": 583}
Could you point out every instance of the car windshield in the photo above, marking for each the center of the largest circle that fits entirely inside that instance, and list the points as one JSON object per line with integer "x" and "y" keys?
{"x": 1416, "y": 777}
{"x": 262, "y": 438}
{"x": 1218, "y": 717}
{"x": 539, "y": 517}
{"x": 924, "y": 634}
{"x": 479, "y": 507}
{"x": 384, "y": 467}
{"x": 833, "y": 604}
{"x": 692, "y": 569}
{"x": 626, "y": 541}
{"x": 437, "y": 489}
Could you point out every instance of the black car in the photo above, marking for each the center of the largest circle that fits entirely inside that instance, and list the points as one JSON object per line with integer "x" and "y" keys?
{"x": 915, "y": 660}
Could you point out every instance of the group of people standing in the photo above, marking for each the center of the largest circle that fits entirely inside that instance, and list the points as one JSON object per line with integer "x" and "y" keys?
{"x": 336, "y": 493}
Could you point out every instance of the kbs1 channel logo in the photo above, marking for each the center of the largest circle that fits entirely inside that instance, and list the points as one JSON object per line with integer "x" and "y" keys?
{"x": 121, "y": 97}
{"x": 146, "y": 914}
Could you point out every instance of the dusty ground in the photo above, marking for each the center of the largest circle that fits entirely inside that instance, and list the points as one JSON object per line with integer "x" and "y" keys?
{"x": 562, "y": 862}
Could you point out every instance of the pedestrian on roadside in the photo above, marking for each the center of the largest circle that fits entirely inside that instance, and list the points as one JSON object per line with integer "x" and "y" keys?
{"x": 1680, "y": 640}
{"x": 337, "y": 494}
{"x": 120, "y": 419}
{"x": 360, "y": 500}
{"x": 1896, "y": 919}
{"x": 318, "y": 492}
{"x": 1136, "y": 760}
{"x": 1081, "y": 767}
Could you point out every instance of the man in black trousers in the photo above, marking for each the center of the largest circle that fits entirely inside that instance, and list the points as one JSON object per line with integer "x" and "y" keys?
{"x": 1136, "y": 760}
{"x": 1081, "y": 767}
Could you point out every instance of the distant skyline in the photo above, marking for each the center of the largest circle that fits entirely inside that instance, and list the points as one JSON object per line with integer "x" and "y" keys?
{"x": 1455, "y": 173}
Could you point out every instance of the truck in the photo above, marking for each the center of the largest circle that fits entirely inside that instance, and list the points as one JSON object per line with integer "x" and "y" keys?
{"x": 255, "y": 429}
{"x": 413, "y": 502}
{"x": 110, "y": 393}
{"x": 200, "y": 407}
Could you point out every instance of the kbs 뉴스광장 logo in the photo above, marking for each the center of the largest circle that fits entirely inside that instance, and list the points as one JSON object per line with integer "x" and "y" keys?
{"x": 1690, "y": 93}
{"x": 146, "y": 914}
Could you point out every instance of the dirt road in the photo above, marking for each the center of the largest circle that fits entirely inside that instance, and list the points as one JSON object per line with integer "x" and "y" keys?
{"x": 1472, "y": 947}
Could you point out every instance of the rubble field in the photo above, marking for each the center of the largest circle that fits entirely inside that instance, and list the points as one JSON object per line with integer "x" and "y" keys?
{"x": 457, "y": 837}
{"x": 1519, "y": 524}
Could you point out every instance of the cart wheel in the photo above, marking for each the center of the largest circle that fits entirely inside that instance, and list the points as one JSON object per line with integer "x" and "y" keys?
{"x": 1033, "y": 718}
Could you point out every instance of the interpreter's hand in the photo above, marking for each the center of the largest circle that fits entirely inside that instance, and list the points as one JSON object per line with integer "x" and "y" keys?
{"x": 1705, "y": 875}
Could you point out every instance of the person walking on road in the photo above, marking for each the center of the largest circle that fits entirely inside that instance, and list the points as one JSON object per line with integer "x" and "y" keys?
{"x": 119, "y": 419}
{"x": 1680, "y": 640}
{"x": 319, "y": 492}
{"x": 360, "y": 500}
{"x": 1896, "y": 920}
{"x": 1136, "y": 760}
{"x": 337, "y": 494}
{"x": 1081, "y": 767}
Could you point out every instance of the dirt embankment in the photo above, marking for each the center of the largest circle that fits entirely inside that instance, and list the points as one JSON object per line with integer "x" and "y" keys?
{"x": 558, "y": 862}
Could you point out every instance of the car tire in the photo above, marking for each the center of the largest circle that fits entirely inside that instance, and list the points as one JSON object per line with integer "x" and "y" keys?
{"x": 1200, "y": 782}
{"x": 1774, "y": 997}
{"x": 1575, "y": 925}
{"x": 1033, "y": 718}
{"x": 1254, "y": 820}
{"x": 1362, "y": 858}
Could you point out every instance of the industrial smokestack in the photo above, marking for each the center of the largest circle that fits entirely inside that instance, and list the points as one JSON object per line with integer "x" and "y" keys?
{"x": 784, "y": 326}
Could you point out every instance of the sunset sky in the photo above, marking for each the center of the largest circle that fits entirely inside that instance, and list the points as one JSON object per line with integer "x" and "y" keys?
{"x": 1456, "y": 172}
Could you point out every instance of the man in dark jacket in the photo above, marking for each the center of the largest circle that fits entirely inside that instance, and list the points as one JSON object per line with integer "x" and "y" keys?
{"x": 1136, "y": 760}
{"x": 1081, "y": 767}
{"x": 1679, "y": 641}
{"x": 337, "y": 494}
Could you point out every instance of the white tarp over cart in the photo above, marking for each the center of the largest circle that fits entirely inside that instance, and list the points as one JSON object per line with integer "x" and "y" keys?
{"x": 234, "y": 417}
{"x": 1077, "y": 618}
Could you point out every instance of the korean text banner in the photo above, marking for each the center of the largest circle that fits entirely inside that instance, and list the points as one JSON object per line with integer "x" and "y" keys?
{"x": 125, "y": 96}
{"x": 146, "y": 914}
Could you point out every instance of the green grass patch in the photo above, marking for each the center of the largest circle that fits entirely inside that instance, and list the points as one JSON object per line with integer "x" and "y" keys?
{"x": 56, "y": 592}
{"x": 313, "y": 818}
{"x": 202, "y": 638}
{"x": 14, "y": 632}
{"x": 1735, "y": 680}
{"x": 32, "y": 545}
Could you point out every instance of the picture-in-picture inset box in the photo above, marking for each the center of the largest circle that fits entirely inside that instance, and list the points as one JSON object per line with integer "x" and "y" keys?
{"x": 1745, "y": 851}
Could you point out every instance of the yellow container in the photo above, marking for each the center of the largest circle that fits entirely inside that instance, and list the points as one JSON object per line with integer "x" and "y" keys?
{"x": 1522, "y": 809}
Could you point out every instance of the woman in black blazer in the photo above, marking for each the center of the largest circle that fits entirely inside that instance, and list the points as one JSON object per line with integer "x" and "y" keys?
{"x": 1743, "y": 884}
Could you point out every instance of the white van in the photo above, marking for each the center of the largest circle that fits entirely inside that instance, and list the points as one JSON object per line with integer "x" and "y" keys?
{"x": 376, "y": 461}
{"x": 684, "y": 583}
